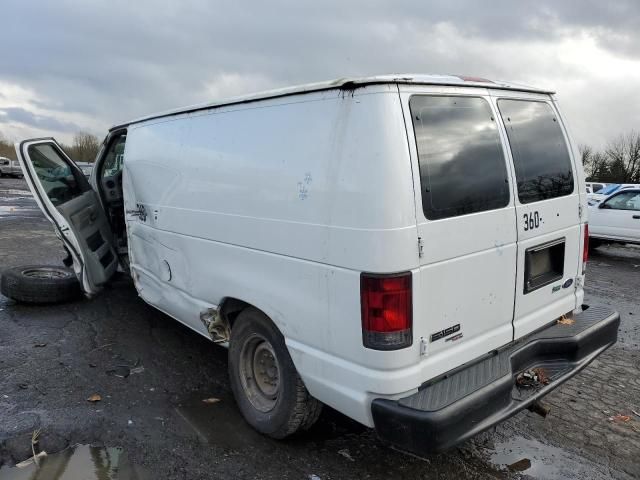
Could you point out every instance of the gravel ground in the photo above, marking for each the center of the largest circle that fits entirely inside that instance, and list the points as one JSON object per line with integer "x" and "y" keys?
{"x": 53, "y": 358}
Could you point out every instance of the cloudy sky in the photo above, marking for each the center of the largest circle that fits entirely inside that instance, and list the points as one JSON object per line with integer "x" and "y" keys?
{"x": 71, "y": 65}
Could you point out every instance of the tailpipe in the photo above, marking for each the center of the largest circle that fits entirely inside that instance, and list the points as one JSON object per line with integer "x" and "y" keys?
{"x": 540, "y": 408}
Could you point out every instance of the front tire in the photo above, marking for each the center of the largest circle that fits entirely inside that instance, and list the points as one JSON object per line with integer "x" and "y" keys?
{"x": 268, "y": 390}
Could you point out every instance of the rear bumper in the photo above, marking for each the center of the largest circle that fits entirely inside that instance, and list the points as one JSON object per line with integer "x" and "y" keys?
{"x": 471, "y": 399}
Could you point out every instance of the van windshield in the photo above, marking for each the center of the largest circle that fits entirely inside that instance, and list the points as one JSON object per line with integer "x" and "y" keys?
{"x": 540, "y": 153}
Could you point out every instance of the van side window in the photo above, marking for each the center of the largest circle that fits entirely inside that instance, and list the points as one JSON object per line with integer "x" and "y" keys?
{"x": 462, "y": 165}
{"x": 540, "y": 154}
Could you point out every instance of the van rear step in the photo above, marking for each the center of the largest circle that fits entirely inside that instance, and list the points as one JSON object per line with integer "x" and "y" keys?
{"x": 473, "y": 398}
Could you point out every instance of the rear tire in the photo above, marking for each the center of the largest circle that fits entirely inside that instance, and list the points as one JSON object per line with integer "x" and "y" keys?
{"x": 40, "y": 284}
{"x": 268, "y": 390}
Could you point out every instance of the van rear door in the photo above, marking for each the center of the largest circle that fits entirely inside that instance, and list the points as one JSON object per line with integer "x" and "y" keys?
{"x": 68, "y": 201}
{"x": 548, "y": 210}
{"x": 466, "y": 222}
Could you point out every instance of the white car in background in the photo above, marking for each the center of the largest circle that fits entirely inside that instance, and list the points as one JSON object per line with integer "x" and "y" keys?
{"x": 10, "y": 168}
{"x": 596, "y": 197}
{"x": 86, "y": 168}
{"x": 595, "y": 187}
{"x": 616, "y": 219}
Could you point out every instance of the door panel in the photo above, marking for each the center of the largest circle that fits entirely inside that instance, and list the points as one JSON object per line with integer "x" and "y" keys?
{"x": 67, "y": 200}
{"x": 93, "y": 233}
{"x": 464, "y": 291}
{"x": 618, "y": 217}
{"x": 547, "y": 211}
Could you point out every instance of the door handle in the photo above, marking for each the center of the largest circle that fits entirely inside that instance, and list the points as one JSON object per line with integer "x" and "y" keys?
{"x": 637, "y": 217}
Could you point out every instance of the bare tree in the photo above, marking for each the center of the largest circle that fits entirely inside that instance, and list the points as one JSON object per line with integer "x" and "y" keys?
{"x": 596, "y": 164}
{"x": 6, "y": 148}
{"x": 623, "y": 156}
{"x": 84, "y": 148}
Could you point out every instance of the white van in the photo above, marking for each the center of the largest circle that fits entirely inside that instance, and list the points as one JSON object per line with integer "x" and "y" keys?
{"x": 595, "y": 187}
{"x": 400, "y": 248}
{"x": 10, "y": 168}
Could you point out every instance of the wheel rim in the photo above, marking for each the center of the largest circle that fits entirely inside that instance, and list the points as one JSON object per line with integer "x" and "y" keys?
{"x": 45, "y": 272}
{"x": 260, "y": 373}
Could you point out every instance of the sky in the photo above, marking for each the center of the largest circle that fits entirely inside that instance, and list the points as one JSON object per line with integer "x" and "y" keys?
{"x": 86, "y": 65}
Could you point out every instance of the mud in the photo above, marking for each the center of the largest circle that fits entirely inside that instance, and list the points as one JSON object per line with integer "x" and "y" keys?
{"x": 53, "y": 358}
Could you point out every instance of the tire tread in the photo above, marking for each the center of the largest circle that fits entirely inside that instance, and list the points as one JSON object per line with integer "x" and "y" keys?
{"x": 25, "y": 289}
{"x": 304, "y": 410}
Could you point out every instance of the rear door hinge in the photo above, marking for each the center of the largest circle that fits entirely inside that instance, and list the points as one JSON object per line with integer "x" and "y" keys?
{"x": 580, "y": 210}
{"x": 420, "y": 247}
{"x": 423, "y": 346}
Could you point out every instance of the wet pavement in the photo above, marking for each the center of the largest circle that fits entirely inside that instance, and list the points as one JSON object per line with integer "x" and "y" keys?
{"x": 80, "y": 462}
{"x": 152, "y": 375}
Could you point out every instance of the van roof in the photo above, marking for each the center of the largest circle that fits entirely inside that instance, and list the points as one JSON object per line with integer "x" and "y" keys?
{"x": 348, "y": 83}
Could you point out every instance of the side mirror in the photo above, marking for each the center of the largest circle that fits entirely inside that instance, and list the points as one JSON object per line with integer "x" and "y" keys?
{"x": 603, "y": 205}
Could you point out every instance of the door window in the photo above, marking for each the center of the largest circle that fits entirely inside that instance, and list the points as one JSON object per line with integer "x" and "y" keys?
{"x": 60, "y": 182}
{"x": 540, "y": 153}
{"x": 113, "y": 161}
{"x": 624, "y": 201}
{"x": 462, "y": 165}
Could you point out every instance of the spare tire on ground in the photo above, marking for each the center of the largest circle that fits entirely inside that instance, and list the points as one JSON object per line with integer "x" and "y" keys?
{"x": 40, "y": 284}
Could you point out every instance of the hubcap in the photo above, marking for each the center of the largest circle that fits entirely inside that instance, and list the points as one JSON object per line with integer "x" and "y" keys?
{"x": 45, "y": 272}
{"x": 260, "y": 373}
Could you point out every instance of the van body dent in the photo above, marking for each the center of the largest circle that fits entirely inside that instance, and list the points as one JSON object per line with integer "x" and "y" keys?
{"x": 412, "y": 240}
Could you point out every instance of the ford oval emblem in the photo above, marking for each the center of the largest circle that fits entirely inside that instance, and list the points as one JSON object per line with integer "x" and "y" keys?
{"x": 568, "y": 283}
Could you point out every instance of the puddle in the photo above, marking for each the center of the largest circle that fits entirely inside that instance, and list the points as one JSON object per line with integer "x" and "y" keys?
{"x": 82, "y": 462}
{"x": 9, "y": 210}
{"x": 537, "y": 460}
{"x": 219, "y": 422}
{"x": 14, "y": 191}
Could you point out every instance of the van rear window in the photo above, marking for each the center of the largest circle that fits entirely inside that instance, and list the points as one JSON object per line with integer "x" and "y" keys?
{"x": 540, "y": 154}
{"x": 462, "y": 165}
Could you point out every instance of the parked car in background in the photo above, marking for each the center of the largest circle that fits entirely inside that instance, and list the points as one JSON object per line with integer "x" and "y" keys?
{"x": 10, "y": 168}
{"x": 86, "y": 168}
{"x": 399, "y": 248}
{"x": 616, "y": 219}
{"x": 595, "y": 187}
{"x": 597, "y": 197}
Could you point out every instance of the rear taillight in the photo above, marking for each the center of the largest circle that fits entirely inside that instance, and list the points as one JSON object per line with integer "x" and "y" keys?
{"x": 386, "y": 311}
{"x": 585, "y": 248}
